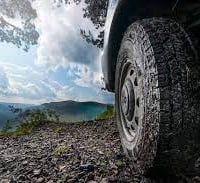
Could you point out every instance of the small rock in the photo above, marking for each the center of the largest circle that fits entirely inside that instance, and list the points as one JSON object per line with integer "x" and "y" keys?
{"x": 196, "y": 179}
{"x": 5, "y": 181}
{"x": 50, "y": 181}
{"x": 115, "y": 133}
{"x": 61, "y": 167}
{"x": 36, "y": 172}
{"x": 32, "y": 164}
{"x": 120, "y": 156}
{"x": 113, "y": 179}
{"x": 87, "y": 167}
{"x": 40, "y": 180}
{"x": 100, "y": 152}
{"x": 197, "y": 163}
{"x": 104, "y": 180}
{"x": 73, "y": 180}
{"x": 24, "y": 163}
{"x": 21, "y": 178}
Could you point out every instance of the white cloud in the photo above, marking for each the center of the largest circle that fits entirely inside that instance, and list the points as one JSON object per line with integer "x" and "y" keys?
{"x": 30, "y": 85}
{"x": 87, "y": 78}
{"x": 4, "y": 83}
{"x": 61, "y": 45}
{"x": 60, "y": 42}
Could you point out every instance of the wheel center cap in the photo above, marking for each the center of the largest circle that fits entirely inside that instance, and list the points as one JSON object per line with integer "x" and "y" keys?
{"x": 128, "y": 99}
{"x": 125, "y": 100}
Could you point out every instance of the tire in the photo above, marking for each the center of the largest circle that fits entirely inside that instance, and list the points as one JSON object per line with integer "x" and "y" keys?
{"x": 157, "y": 97}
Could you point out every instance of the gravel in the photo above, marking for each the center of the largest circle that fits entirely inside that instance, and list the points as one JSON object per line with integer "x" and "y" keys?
{"x": 81, "y": 152}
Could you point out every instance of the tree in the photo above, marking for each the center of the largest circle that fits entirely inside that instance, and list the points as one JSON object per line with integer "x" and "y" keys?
{"x": 88, "y": 36}
{"x": 23, "y": 35}
{"x": 96, "y": 12}
{"x": 26, "y": 35}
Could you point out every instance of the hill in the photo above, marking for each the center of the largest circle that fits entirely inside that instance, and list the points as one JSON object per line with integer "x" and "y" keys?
{"x": 69, "y": 111}
{"x": 76, "y": 111}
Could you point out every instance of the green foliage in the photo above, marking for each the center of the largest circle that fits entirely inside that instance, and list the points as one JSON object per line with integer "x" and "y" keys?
{"x": 58, "y": 130}
{"x": 35, "y": 116}
{"x": 61, "y": 149}
{"x": 6, "y": 129}
{"x": 24, "y": 36}
{"x": 109, "y": 113}
{"x": 27, "y": 35}
{"x": 28, "y": 120}
{"x": 119, "y": 163}
{"x": 23, "y": 129}
{"x": 95, "y": 11}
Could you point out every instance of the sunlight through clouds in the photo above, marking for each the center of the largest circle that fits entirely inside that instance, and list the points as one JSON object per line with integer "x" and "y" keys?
{"x": 62, "y": 66}
{"x": 60, "y": 42}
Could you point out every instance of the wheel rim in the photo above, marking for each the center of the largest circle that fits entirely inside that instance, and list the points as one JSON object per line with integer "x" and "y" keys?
{"x": 130, "y": 101}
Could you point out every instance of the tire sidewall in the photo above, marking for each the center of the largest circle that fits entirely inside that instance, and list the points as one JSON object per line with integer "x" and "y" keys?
{"x": 143, "y": 149}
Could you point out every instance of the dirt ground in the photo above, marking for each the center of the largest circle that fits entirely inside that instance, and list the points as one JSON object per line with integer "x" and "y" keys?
{"x": 83, "y": 152}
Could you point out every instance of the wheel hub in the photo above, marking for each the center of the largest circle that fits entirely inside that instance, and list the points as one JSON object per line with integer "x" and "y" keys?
{"x": 130, "y": 103}
{"x": 128, "y": 99}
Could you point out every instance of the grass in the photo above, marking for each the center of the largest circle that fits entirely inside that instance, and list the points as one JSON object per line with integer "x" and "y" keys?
{"x": 23, "y": 129}
{"x": 58, "y": 130}
{"x": 109, "y": 113}
{"x": 60, "y": 149}
{"x": 119, "y": 163}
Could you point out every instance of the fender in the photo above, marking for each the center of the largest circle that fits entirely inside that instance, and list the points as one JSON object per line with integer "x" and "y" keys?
{"x": 122, "y": 13}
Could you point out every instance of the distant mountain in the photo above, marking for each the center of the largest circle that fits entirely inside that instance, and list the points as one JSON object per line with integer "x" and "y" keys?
{"x": 69, "y": 111}
{"x": 72, "y": 111}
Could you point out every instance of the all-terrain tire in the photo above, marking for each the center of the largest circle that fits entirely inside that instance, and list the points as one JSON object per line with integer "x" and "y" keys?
{"x": 158, "y": 81}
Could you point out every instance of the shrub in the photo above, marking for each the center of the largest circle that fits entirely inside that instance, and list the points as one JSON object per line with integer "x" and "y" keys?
{"x": 58, "y": 130}
{"x": 109, "y": 113}
{"x": 28, "y": 120}
{"x": 23, "y": 129}
{"x": 60, "y": 149}
{"x": 5, "y": 131}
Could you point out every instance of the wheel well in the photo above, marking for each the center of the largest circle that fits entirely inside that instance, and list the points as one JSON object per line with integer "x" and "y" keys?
{"x": 126, "y": 13}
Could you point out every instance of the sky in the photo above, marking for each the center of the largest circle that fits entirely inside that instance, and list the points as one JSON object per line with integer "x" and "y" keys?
{"x": 62, "y": 66}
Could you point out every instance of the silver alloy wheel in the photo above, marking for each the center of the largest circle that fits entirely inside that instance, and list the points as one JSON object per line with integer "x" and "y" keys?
{"x": 130, "y": 101}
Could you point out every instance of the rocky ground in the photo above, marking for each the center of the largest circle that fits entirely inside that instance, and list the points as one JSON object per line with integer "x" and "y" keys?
{"x": 84, "y": 152}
